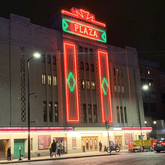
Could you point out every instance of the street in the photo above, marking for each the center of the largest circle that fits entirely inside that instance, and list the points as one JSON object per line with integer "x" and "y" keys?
{"x": 144, "y": 158}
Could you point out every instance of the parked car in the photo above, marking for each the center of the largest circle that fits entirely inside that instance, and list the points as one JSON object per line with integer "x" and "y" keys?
{"x": 159, "y": 145}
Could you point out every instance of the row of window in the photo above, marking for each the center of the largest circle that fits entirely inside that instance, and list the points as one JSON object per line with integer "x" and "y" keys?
{"x": 90, "y": 114}
{"x": 86, "y": 66}
{"x": 50, "y": 109}
{"x": 149, "y": 107}
{"x": 148, "y": 94}
{"x": 120, "y": 90}
{"x": 88, "y": 85}
{"x": 121, "y": 115}
{"x": 85, "y": 51}
{"x": 150, "y": 82}
{"x": 118, "y": 72}
{"x": 49, "y": 80}
{"x": 48, "y": 59}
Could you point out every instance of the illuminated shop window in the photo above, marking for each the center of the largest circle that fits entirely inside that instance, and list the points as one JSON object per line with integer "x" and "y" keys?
{"x": 54, "y": 80}
{"x": 88, "y": 85}
{"x": 43, "y": 79}
{"x": 95, "y": 112}
{"x": 43, "y": 58}
{"x": 45, "y": 111}
{"x": 49, "y": 59}
{"x": 83, "y": 84}
{"x": 71, "y": 81}
{"x": 90, "y": 113}
{"x": 121, "y": 113}
{"x": 84, "y": 113}
{"x": 125, "y": 114}
{"x": 121, "y": 72}
{"x": 50, "y": 112}
{"x": 81, "y": 65}
{"x": 56, "y": 111}
{"x": 118, "y": 114}
{"x": 49, "y": 80}
{"x": 93, "y": 86}
{"x": 105, "y": 86}
{"x": 54, "y": 60}
{"x": 87, "y": 66}
{"x": 92, "y": 67}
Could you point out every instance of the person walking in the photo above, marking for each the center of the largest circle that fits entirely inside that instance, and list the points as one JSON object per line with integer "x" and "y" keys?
{"x": 62, "y": 150}
{"x": 59, "y": 148}
{"x": 9, "y": 153}
{"x": 53, "y": 146}
{"x": 100, "y": 145}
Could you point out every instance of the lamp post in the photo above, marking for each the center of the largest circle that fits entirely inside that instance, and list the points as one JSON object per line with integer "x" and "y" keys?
{"x": 35, "y": 55}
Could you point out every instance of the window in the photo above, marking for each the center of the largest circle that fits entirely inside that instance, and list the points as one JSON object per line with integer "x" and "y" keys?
{"x": 56, "y": 111}
{"x": 149, "y": 72}
{"x": 121, "y": 113}
{"x": 92, "y": 67}
{"x": 83, "y": 84}
{"x": 118, "y": 115}
{"x": 152, "y": 107}
{"x": 84, "y": 113}
{"x": 121, "y": 72}
{"x": 86, "y": 51}
{"x": 43, "y": 58}
{"x": 122, "y": 88}
{"x": 151, "y": 94}
{"x": 54, "y": 60}
{"x": 95, "y": 112}
{"x": 43, "y": 79}
{"x": 54, "y": 80}
{"x": 119, "y": 88}
{"x": 150, "y": 83}
{"x": 145, "y": 106}
{"x": 80, "y": 50}
{"x": 115, "y": 88}
{"x": 49, "y": 79}
{"x": 125, "y": 114}
{"x": 93, "y": 86}
{"x": 117, "y": 71}
{"x": 44, "y": 111}
{"x": 91, "y": 51}
{"x": 87, "y": 66}
{"x": 114, "y": 70}
{"x": 143, "y": 81}
{"x": 50, "y": 112}
{"x": 145, "y": 94}
{"x": 81, "y": 65}
{"x": 89, "y": 113}
{"x": 49, "y": 59}
{"x": 88, "y": 85}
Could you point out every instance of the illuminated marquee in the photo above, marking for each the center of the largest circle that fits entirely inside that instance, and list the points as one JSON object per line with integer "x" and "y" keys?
{"x": 82, "y": 14}
{"x": 83, "y": 30}
{"x": 71, "y": 86}
{"x": 104, "y": 81}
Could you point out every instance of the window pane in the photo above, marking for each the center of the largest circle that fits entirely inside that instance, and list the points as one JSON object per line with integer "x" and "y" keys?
{"x": 88, "y": 85}
{"x": 119, "y": 88}
{"x": 121, "y": 71}
{"x": 84, "y": 113}
{"x": 152, "y": 107}
{"x": 151, "y": 94}
{"x": 95, "y": 112}
{"x": 122, "y": 89}
{"x": 49, "y": 79}
{"x": 81, "y": 65}
{"x": 93, "y": 85}
{"x": 92, "y": 67}
{"x": 122, "y": 117}
{"x": 117, "y": 71}
{"x": 43, "y": 58}
{"x": 50, "y": 112}
{"x": 54, "y": 60}
{"x": 83, "y": 84}
{"x": 54, "y": 81}
{"x": 125, "y": 114}
{"x": 145, "y": 106}
{"x": 43, "y": 79}
{"x": 49, "y": 59}
{"x": 44, "y": 111}
{"x": 56, "y": 111}
{"x": 90, "y": 113}
{"x": 91, "y": 51}
{"x": 87, "y": 66}
{"x": 115, "y": 87}
{"x": 118, "y": 114}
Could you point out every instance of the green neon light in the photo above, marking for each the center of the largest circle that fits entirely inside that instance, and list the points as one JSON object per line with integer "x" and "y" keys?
{"x": 71, "y": 77}
{"x": 104, "y": 82}
{"x": 65, "y": 26}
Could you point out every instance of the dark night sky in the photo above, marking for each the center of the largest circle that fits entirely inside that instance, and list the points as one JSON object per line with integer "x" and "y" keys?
{"x": 136, "y": 23}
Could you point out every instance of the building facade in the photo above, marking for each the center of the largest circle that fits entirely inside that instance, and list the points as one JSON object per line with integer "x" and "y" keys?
{"x": 78, "y": 83}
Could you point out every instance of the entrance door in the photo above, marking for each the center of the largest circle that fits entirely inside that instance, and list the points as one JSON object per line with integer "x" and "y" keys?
{"x": 19, "y": 143}
{"x": 91, "y": 143}
{"x": 118, "y": 140}
{"x": 64, "y": 141}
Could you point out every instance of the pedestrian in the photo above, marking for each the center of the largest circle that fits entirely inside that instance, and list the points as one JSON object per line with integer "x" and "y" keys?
{"x": 83, "y": 146}
{"x": 53, "y": 146}
{"x": 9, "y": 153}
{"x": 50, "y": 149}
{"x": 62, "y": 150}
{"x": 100, "y": 145}
{"x": 59, "y": 148}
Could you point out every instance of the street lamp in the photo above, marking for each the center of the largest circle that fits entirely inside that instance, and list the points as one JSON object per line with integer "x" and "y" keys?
{"x": 145, "y": 122}
{"x": 35, "y": 55}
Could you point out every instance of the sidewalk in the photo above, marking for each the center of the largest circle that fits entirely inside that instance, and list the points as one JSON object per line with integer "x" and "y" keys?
{"x": 65, "y": 156}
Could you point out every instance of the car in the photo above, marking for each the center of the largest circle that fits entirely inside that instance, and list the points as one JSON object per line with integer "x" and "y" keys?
{"x": 159, "y": 145}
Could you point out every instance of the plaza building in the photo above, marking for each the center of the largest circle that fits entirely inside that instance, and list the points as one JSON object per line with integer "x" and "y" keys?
{"x": 78, "y": 84}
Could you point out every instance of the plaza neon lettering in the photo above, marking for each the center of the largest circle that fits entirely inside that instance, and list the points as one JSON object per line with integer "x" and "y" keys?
{"x": 85, "y": 30}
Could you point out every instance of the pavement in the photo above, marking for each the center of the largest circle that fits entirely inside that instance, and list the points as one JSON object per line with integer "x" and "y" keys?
{"x": 65, "y": 156}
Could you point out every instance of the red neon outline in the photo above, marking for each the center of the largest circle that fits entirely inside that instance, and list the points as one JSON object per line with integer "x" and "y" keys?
{"x": 81, "y": 16}
{"x": 65, "y": 44}
{"x": 109, "y": 91}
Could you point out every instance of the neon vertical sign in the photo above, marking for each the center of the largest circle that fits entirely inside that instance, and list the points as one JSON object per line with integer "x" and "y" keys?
{"x": 71, "y": 86}
{"x": 105, "y": 91}
{"x": 83, "y": 30}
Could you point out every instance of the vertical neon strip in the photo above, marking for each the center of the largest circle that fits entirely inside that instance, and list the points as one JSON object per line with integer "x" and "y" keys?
{"x": 66, "y": 44}
{"x": 104, "y": 118}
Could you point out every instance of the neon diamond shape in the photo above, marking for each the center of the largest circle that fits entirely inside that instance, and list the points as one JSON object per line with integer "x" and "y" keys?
{"x": 105, "y": 90}
{"x": 71, "y": 81}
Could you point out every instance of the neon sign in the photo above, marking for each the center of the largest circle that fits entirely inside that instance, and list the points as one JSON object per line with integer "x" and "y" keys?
{"x": 83, "y": 30}
{"x": 83, "y": 14}
{"x": 104, "y": 81}
{"x": 70, "y": 72}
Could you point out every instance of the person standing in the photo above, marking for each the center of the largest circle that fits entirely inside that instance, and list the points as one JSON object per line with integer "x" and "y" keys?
{"x": 62, "y": 150}
{"x": 53, "y": 146}
{"x": 100, "y": 145}
{"x": 9, "y": 153}
{"x": 59, "y": 148}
